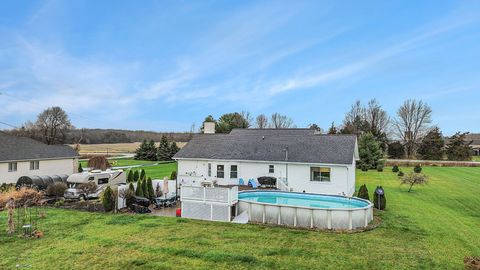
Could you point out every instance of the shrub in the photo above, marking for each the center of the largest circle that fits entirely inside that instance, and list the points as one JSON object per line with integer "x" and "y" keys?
{"x": 142, "y": 174}
{"x": 108, "y": 200}
{"x": 129, "y": 194}
{"x": 151, "y": 192}
{"x": 136, "y": 176}
{"x": 363, "y": 167}
{"x": 173, "y": 175}
{"x": 139, "y": 190}
{"x": 413, "y": 179}
{"x": 22, "y": 196}
{"x": 396, "y": 150}
{"x": 59, "y": 203}
{"x": 400, "y": 173}
{"x": 99, "y": 163}
{"x": 417, "y": 168}
{"x": 363, "y": 192}
{"x": 158, "y": 190}
{"x": 145, "y": 188}
{"x": 379, "y": 201}
{"x": 80, "y": 169}
{"x": 395, "y": 168}
{"x": 56, "y": 189}
{"x": 130, "y": 176}
{"x": 380, "y": 168}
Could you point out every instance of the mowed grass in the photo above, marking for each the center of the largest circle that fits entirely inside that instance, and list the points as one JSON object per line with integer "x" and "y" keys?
{"x": 158, "y": 171}
{"x": 433, "y": 227}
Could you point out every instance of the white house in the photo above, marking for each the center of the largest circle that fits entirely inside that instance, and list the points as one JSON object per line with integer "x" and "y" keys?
{"x": 299, "y": 159}
{"x": 20, "y": 156}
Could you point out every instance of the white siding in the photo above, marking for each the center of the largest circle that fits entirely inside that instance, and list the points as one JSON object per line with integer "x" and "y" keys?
{"x": 342, "y": 179}
{"x": 47, "y": 167}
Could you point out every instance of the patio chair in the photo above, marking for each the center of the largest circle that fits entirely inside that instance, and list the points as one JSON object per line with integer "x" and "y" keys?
{"x": 241, "y": 182}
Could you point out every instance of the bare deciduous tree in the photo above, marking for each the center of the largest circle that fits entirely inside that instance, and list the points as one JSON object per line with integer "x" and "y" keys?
{"x": 281, "y": 121}
{"x": 376, "y": 118}
{"x": 412, "y": 123}
{"x": 261, "y": 121}
{"x": 54, "y": 124}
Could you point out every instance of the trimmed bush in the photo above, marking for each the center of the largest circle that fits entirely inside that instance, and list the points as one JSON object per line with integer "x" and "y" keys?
{"x": 151, "y": 192}
{"x": 380, "y": 168}
{"x": 363, "y": 192}
{"x": 145, "y": 188}
{"x": 417, "y": 169}
{"x": 400, "y": 174}
{"x": 142, "y": 174}
{"x": 173, "y": 176}
{"x": 108, "y": 201}
{"x": 395, "y": 169}
{"x": 80, "y": 169}
{"x": 136, "y": 176}
{"x": 139, "y": 190}
{"x": 129, "y": 194}
{"x": 379, "y": 201}
{"x": 130, "y": 176}
{"x": 56, "y": 189}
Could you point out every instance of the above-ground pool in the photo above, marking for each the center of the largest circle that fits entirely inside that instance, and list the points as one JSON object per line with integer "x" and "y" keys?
{"x": 305, "y": 209}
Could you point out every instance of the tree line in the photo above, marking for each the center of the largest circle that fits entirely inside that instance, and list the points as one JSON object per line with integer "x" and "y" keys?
{"x": 164, "y": 152}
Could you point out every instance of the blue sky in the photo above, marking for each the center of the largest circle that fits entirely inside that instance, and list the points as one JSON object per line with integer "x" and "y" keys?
{"x": 163, "y": 65}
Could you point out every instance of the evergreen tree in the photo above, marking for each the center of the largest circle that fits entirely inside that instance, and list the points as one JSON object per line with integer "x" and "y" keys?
{"x": 163, "y": 152}
{"x": 129, "y": 198}
{"x": 458, "y": 148}
{"x": 151, "y": 192}
{"x": 145, "y": 188}
{"x": 363, "y": 192}
{"x": 141, "y": 150}
{"x": 369, "y": 151}
{"x": 332, "y": 129}
{"x": 173, "y": 175}
{"x": 173, "y": 149}
{"x": 150, "y": 151}
{"x": 431, "y": 147}
{"x": 80, "y": 169}
{"x": 136, "y": 176}
{"x": 396, "y": 150}
{"x": 107, "y": 200}
{"x": 139, "y": 191}
{"x": 130, "y": 176}
{"x": 142, "y": 174}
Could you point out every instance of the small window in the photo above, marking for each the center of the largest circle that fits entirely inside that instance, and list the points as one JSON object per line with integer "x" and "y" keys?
{"x": 34, "y": 165}
{"x": 209, "y": 169}
{"x": 12, "y": 166}
{"x": 233, "y": 171}
{"x": 320, "y": 174}
{"x": 271, "y": 168}
{"x": 102, "y": 181}
{"x": 91, "y": 178}
{"x": 220, "y": 171}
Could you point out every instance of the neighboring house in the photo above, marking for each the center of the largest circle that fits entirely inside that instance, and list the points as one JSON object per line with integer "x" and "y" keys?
{"x": 300, "y": 159}
{"x": 475, "y": 138}
{"x": 20, "y": 156}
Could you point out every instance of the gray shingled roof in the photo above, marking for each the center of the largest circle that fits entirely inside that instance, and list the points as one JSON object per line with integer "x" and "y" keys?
{"x": 268, "y": 145}
{"x": 14, "y": 148}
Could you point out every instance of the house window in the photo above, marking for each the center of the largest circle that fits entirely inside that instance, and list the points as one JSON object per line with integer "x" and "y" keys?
{"x": 220, "y": 171}
{"x": 102, "y": 181}
{"x": 233, "y": 171}
{"x": 320, "y": 174}
{"x": 12, "y": 166}
{"x": 209, "y": 169}
{"x": 271, "y": 168}
{"x": 91, "y": 178}
{"x": 34, "y": 165}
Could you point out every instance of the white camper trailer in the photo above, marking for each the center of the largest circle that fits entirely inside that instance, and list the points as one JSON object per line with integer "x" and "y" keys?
{"x": 101, "y": 178}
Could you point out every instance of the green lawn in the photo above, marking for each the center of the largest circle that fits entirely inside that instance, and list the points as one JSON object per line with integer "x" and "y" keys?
{"x": 156, "y": 172}
{"x": 433, "y": 227}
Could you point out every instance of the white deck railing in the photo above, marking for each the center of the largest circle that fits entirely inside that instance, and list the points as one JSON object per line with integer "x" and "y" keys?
{"x": 221, "y": 195}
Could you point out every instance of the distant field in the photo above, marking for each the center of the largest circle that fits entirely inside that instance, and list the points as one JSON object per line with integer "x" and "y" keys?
{"x": 158, "y": 171}
{"x": 114, "y": 148}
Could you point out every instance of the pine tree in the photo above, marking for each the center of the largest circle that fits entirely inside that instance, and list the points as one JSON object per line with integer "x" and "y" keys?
{"x": 173, "y": 175}
{"x": 80, "y": 169}
{"x": 129, "y": 199}
{"x": 431, "y": 147}
{"x": 151, "y": 192}
{"x": 141, "y": 150}
{"x": 150, "y": 151}
{"x": 369, "y": 151}
{"x": 130, "y": 176}
{"x": 458, "y": 148}
{"x": 163, "y": 152}
{"x": 332, "y": 129}
{"x": 396, "y": 150}
{"x": 173, "y": 149}
{"x": 107, "y": 200}
{"x": 139, "y": 190}
{"x": 142, "y": 174}
{"x": 145, "y": 188}
{"x": 136, "y": 176}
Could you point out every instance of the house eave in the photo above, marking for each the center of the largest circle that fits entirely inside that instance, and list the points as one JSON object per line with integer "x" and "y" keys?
{"x": 269, "y": 161}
